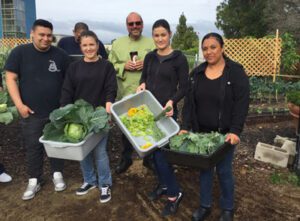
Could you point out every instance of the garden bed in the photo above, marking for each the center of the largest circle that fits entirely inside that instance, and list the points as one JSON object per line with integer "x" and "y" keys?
{"x": 256, "y": 197}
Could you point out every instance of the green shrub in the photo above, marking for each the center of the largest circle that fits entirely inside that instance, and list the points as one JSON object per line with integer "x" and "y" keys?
{"x": 293, "y": 97}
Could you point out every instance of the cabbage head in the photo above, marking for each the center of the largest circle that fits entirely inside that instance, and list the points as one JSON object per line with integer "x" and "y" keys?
{"x": 75, "y": 132}
{"x": 3, "y": 108}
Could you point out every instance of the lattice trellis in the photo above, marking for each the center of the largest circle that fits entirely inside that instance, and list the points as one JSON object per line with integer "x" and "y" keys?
{"x": 13, "y": 42}
{"x": 260, "y": 57}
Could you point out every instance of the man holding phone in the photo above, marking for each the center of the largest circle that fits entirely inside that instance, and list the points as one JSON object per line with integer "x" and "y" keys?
{"x": 127, "y": 56}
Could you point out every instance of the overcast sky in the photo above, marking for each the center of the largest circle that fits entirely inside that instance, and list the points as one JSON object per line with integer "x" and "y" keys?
{"x": 107, "y": 17}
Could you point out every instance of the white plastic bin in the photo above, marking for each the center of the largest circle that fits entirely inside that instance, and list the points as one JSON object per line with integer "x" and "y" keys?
{"x": 167, "y": 124}
{"x": 72, "y": 151}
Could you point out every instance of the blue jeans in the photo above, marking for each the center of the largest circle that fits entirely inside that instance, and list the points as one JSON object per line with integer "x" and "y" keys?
{"x": 165, "y": 173}
{"x": 99, "y": 153}
{"x": 226, "y": 180}
{"x": 164, "y": 170}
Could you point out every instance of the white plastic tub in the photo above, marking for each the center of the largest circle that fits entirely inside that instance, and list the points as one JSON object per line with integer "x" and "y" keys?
{"x": 71, "y": 151}
{"x": 167, "y": 124}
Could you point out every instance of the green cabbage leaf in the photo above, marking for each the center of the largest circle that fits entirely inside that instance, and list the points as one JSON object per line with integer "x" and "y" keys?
{"x": 73, "y": 122}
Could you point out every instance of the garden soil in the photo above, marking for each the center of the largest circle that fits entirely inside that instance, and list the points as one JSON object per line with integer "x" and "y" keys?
{"x": 256, "y": 198}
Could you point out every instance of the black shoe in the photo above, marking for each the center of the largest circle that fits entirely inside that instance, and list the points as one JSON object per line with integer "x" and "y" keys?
{"x": 172, "y": 206}
{"x": 226, "y": 215}
{"x": 84, "y": 189}
{"x": 123, "y": 166}
{"x": 201, "y": 213}
{"x": 105, "y": 193}
{"x": 157, "y": 192}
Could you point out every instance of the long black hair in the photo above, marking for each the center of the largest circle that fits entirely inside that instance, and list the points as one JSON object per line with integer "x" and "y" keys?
{"x": 161, "y": 23}
{"x": 217, "y": 36}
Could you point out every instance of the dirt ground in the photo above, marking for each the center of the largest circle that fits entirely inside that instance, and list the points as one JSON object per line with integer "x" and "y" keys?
{"x": 256, "y": 198}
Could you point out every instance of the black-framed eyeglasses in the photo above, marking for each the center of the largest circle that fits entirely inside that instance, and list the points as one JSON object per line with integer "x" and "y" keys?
{"x": 136, "y": 23}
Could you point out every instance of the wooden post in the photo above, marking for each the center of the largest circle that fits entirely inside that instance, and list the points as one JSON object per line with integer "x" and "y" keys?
{"x": 275, "y": 55}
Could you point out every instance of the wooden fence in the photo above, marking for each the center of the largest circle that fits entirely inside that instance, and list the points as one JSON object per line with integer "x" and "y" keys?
{"x": 260, "y": 57}
{"x": 13, "y": 42}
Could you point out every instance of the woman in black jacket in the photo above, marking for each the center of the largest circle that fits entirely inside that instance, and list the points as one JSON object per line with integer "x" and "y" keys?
{"x": 217, "y": 100}
{"x": 165, "y": 74}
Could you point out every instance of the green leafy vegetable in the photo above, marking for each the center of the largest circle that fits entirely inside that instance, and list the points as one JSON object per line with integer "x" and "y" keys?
{"x": 7, "y": 112}
{"x": 197, "y": 143}
{"x": 3, "y": 108}
{"x": 75, "y": 132}
{"x": 140, "y": 123}
{"x": 73, "y": 122}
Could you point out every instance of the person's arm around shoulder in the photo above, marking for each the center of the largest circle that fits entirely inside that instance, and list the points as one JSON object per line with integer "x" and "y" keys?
{"x": 13, "y": 90}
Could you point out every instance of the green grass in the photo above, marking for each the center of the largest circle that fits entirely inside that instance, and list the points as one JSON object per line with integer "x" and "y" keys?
{"x": 278, "y": 178}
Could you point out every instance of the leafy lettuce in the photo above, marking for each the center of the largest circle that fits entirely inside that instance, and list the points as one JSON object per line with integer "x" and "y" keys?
{"x": 140, "y": 122}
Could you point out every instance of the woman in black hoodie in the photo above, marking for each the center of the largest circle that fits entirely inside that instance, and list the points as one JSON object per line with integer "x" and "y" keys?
{"x": 217, "y": 100}
{"x": 165, "y": 74}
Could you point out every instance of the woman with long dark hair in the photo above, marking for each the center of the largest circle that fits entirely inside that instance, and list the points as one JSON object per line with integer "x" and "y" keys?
{"x": 92, "y": 79}
{"x": 217, "y": 100}
{"x": 165, "y": 74}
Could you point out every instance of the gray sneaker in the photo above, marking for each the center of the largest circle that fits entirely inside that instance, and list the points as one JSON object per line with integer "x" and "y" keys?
{"x": 58, "y": 181}
{"x": 32, "y": 188}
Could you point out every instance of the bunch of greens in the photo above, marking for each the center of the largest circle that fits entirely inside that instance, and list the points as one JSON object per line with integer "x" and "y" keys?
{"x": 7, "y": 112}
{"x": 73, "y": 122}
{"x": 140, "y": 122}
{"x": 197, "y": 143}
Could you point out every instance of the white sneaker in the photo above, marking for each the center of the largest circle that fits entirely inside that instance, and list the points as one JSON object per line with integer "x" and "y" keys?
{"x": 5, "y": 178}
{"x": 59, "y": 183}
{"x": 32, "y": 188}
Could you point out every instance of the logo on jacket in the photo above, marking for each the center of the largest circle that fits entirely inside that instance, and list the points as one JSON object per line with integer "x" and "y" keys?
{"x": 53, "y": 67}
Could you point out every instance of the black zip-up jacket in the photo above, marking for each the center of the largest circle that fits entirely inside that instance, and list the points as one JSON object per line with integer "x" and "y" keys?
{"x": 234, "y": 99}
{"x": 166, "y": 80}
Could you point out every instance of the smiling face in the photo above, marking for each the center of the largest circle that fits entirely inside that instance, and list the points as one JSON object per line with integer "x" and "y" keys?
{"x": 212, "y": 50}
{"x": 42, "y": 38}
{"x": 135, "y": 25}
{"x": 89, "y": 47}
{"x": 161, "y": 38}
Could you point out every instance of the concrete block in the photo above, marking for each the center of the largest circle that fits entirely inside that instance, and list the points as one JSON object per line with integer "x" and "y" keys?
{"x": 280, "y": 140}
{"x": 290, "y": 147}
{"x": 271, "y": 154}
